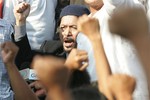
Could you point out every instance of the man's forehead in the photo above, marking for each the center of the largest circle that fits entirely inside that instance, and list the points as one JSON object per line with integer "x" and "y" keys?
{"x": 69, "y": 19}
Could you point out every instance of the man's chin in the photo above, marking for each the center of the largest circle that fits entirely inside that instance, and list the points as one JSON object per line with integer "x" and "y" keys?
{"x": 67, "y": 49}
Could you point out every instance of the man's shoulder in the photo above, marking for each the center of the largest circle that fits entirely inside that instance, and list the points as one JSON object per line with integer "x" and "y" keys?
{"x": 54, "y": 47}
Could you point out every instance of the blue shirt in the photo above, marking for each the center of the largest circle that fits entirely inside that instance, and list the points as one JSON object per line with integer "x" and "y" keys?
{"x": 5, "y": 90}
{"x": 83, "y": 43}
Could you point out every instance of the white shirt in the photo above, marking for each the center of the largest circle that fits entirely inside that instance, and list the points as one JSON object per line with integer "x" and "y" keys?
{"x": 120, "y": 53}
{"x": 40, "y": 23}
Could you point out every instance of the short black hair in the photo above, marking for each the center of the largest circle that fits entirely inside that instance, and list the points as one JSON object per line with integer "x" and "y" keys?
{"x": 79, "y": 78}
{"x": 87, "y": 93}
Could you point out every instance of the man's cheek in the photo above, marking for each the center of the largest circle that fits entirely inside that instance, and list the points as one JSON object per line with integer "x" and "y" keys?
{"x": 61, "y": 37}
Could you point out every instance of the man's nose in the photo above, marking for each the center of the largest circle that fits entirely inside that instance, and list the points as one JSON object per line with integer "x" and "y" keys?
{"x": 67, "y": 31}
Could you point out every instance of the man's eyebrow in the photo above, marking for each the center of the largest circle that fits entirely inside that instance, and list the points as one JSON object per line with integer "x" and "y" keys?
{"x": 67, "y": 25}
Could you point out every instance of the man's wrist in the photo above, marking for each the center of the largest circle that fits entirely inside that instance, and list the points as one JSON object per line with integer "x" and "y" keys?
{"x": 95, "y": 36}
{"x": 9, "y": 64}
{"x": 67, "y": 65}
{"x": 20, "y": 23}
{"x": 124, "y": 97}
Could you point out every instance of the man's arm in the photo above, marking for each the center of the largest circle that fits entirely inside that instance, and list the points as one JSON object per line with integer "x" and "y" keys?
{"x": 54, "y": 78}
{"x": 25, "y": 54}
{"x": 57, "y": 72}
{"x": 102, "y": 66}
{"x": 136, "y": 29}
{"x": 112, "y": 85}
{"x": 20, "y": 87}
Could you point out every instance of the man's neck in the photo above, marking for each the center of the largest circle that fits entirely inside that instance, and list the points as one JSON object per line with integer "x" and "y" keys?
{"x": 94, "y": 10}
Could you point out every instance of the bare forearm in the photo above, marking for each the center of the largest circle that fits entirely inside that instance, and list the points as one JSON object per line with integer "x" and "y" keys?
{"x": 102, "y": 66}
{"x": 20, "y": 87}
{"x": 20, "y": 23}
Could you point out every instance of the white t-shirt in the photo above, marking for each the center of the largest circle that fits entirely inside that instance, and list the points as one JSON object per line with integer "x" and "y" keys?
{"x": 120, "y": 53}
{"x": 40, "y": 22}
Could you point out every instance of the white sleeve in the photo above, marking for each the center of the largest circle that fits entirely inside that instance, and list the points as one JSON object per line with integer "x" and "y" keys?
{"x": 110, "y": 5}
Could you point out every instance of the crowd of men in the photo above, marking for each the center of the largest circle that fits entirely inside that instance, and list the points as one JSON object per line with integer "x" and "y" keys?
{"x": 80, "y": 49}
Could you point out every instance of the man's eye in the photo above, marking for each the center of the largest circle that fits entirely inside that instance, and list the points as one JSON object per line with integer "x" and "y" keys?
{"x": 74, "y": 27}
{"x": 62, "y": 28}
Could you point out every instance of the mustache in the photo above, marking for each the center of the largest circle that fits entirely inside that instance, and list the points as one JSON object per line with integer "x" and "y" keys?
{"x": 69, "y": 39}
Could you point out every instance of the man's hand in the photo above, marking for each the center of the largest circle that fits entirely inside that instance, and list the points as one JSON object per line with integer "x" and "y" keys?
{"x": 129, "y": 22}
{"x": 51, "y": 71}
{"x": 38, "y": 88}
{"x": 21, "y": 11}
{"x": 77, "y": 59}
{"x": 118, "y": 87}
{"x": 9, "y": 52}
{"x": 133, "y": 24}
{"x": 121, "y": 86}
{"x": 89, "y": 26}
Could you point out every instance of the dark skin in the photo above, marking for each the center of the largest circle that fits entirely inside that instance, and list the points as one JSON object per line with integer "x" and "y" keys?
{"x": 57, "y": 71}
{"x": 9, "y": 52}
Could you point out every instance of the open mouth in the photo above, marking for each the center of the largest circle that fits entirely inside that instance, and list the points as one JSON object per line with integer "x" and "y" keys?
{"x": 68, "y": 42}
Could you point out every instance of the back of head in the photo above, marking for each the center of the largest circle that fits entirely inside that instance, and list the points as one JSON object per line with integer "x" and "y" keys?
{"x": 79, "y": 79}
{"x": 86, "y": 93}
